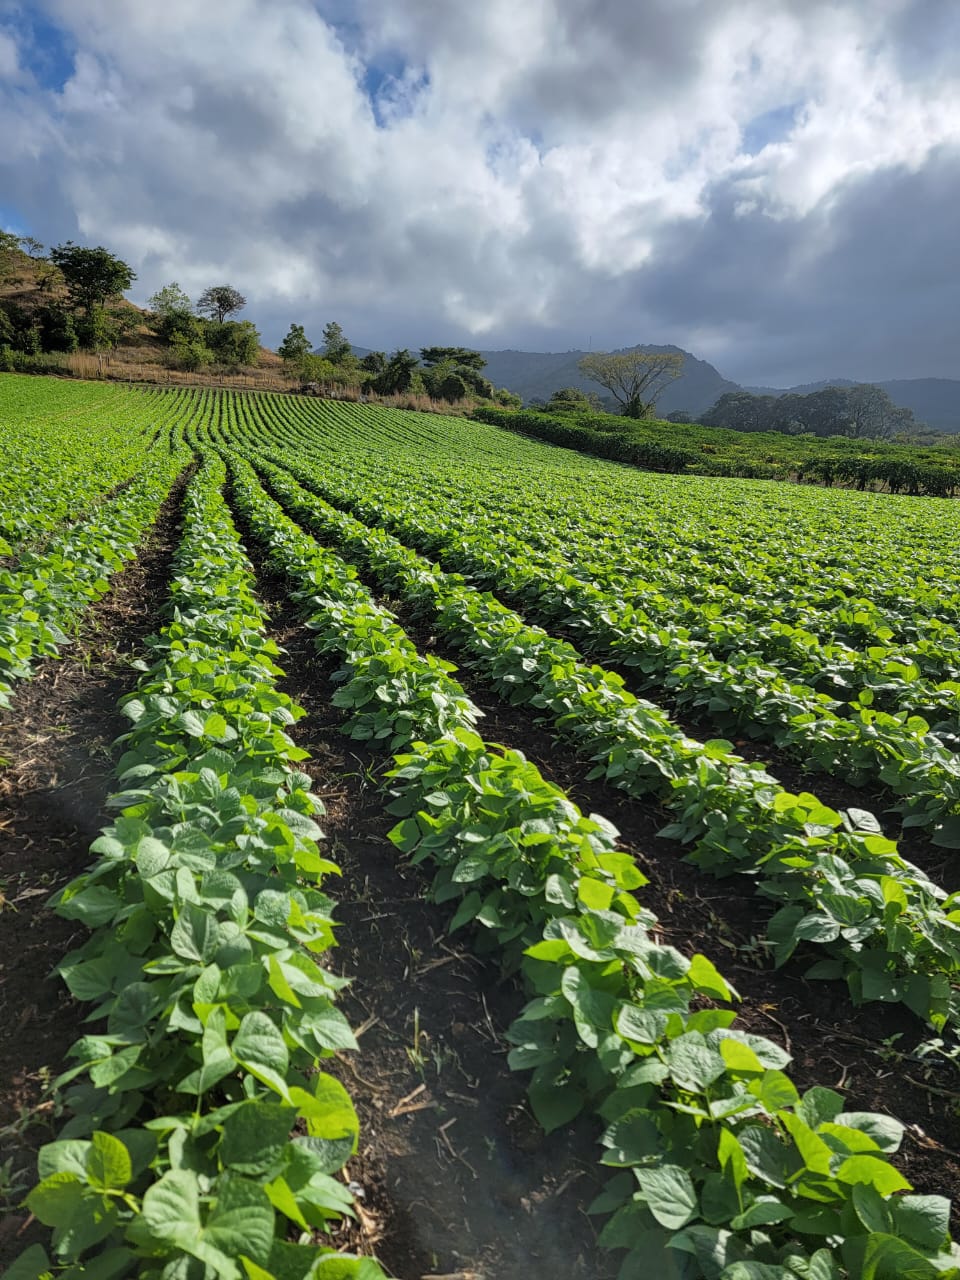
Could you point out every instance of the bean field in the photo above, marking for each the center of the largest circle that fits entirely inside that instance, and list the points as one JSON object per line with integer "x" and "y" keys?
{"x": 429, "y": 852}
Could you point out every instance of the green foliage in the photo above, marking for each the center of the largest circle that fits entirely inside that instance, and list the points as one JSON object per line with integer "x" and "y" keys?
{"x": 233, "y": 342}
{"x": 374, "y": 362}
{"x": 452, "y": 387}
{"x": 659, "y": 446}
{"x": 453, "y": 356}
{"x": 41, "y": 597}
{"x": 295, "y": 345}
{"x": 220, "y": 301}
{"x": 170, "y": 300}
{"x": 861, "y": 411}
{"x": 572, "y": 400}
{"x": 508, "y": 399}
{"x": 635, "y": 379}
{"x": 398, "y": 376}
{"x": 100, "y": 328}
{"x": 93, "y": 276}
{"x": 727, "y": 1154}
{"x": 890, "y": 931}
{"x": 45, "y": 329}
{"x": 177, "y": 326}
{"x": 189, "y": 354}
{"x": 207, "y": 926}
{"x": 838, "y": 644}
{"x": 335, "y": 345}
{"x": 57, "y": 329}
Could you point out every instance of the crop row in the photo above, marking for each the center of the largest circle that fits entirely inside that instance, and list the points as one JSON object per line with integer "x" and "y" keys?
{"x": 854, "y": 564}
{"x": 740, "y": 662}
{"x": 204, "y": 967}
{"x": 55, "y": 462}
{"x": 43, "y": 595}
{"x": 841, "y": 884}
{"x": 896, "y": 750}
{"x": 724, "y": 1171}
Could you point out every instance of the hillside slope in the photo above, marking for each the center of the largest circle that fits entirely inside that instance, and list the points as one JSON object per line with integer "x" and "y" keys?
{"x": 537, "y": 374}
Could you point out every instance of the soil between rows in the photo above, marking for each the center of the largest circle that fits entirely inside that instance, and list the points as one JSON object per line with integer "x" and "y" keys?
{"x": 832, "y": 789}
{"x": 57, "y": 771}
{"x": 458, "y": 1181}
{"x": 852, "y": 1049}
{"x": 866, "y": 1052}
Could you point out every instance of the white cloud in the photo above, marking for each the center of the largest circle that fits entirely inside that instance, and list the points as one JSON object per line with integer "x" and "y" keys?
{"x": 523, "y": 174}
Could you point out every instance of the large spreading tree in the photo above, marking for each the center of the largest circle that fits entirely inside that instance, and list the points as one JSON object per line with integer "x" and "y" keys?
{"x": 220, "y": 301}
{"x": 636, "y": 379}
{"x": 93, "y": 276}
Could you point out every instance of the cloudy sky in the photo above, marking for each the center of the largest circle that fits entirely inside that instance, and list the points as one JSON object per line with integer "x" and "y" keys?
{"x": 772, "y": 184}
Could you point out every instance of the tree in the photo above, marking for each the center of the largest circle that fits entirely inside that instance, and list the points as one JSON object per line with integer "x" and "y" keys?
{"x": 233, "y": 342}
{"x": 93, "y": 276}
{"x": 741, "y": 411}
{"x": 452, "y": 387}
{"x": 873, "y": 414}
{"x": 573, "y": 400}
{"x": 179, "y": 326}
{"x": 335, "y": 344}
{"x": 635, "y": 379}
{"x": 220, "y": 301}
{"x": 398, "y": 375}
{"x": 97, "y": 329}
{"x": 169, "y": 300}
{"x": 453, "y": 355}
{"x": 509, "y": 399}
{"x": 9, "y": 249}
{"x": 295, "y": 345}
{"x": 57, "y": 330}
{"x": 374, "y": 362}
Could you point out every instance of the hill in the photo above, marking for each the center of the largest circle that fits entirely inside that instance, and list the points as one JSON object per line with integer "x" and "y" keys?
{"x": 537, "y": 374}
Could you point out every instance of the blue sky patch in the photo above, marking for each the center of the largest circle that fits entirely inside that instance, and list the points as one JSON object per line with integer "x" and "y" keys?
{"x": 46, "y": 50}
{"x": 771, "y": 126}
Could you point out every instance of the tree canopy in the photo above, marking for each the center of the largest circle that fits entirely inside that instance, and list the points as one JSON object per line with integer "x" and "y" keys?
{"x": 234, "y": 342}
{"x": 398, "y": 374}
{"x": 573, "y": 400}
{"x": 335, "y": 344}
{"x": 168, "y": 300}
{"x": 220, "y": 301}
{"x": 295, "y": 345}
{"x": 862, "y": 411}
{"x": 453, "y": 355}
{"x": 93, "y": 276}
{"x": 636, "y": 379}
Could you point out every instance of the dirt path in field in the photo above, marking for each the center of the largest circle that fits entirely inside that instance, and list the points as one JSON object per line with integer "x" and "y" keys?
{"x": 55, "y": 775}
{"x": 457, "y": 1179}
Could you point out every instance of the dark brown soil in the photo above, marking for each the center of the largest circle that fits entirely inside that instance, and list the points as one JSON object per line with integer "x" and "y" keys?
{"x": 56, "y": 773}
{"x": 864, "y": 1052}
{"x": 458, "y": 1180}
{"x": 832, "y": 788}
{"x": 867, "y": 1052}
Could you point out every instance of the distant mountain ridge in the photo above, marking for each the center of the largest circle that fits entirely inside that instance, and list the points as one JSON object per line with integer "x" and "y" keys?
{"x": 537, "y": 374}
